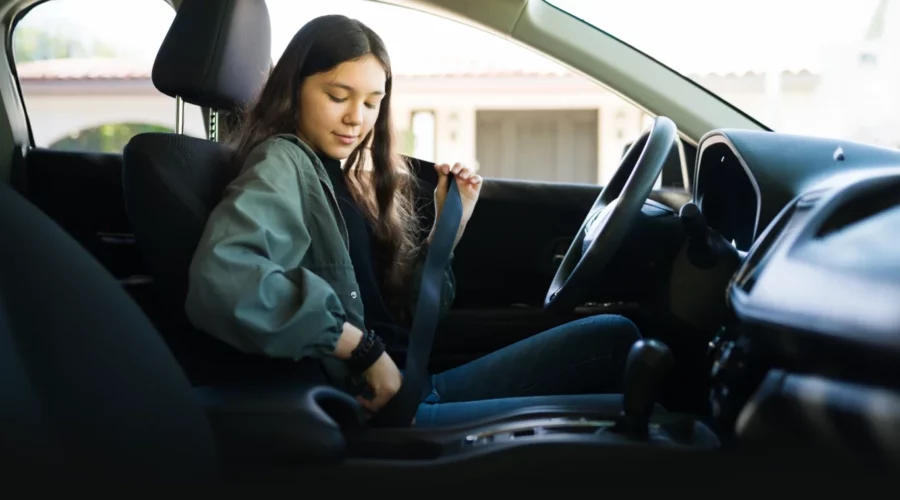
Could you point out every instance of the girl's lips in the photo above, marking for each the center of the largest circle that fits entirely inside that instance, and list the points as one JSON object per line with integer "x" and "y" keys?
{"x": 346, "y": 139}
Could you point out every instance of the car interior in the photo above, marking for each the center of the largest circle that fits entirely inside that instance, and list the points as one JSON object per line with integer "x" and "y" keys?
{"x": 760, "y": 271}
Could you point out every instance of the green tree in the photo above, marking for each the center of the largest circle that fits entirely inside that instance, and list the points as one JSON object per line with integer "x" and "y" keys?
{"x": 406, "y": 142}
{"x": 108, "y": 138}
{"x": 34, "y": 44}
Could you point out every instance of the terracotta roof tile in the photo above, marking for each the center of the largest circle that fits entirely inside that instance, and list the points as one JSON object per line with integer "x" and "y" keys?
{"x": 127, "y": 69}
{"x": 85, "y": 69}
{"x": 131, "y": 69}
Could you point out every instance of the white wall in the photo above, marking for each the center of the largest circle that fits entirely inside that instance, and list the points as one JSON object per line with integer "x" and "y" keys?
{"x": 54, "y": 117}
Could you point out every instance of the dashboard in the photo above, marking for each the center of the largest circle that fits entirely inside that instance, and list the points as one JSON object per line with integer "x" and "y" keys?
{"x": 812, "y": 343}
{"x": 818, "y": 219}
{"x": 743, "y": 179}
{"x": 829, "y": 267}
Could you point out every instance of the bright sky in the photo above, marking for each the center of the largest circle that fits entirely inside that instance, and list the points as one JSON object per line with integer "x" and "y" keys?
{"x": 705, "y": 35}
{"x": 689, "y": 35}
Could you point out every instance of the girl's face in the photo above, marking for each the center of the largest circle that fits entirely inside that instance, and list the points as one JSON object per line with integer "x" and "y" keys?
{"x": 339, "y": 107}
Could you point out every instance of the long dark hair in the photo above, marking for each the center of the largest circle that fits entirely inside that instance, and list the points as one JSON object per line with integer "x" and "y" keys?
{"x": 319, "y": 46}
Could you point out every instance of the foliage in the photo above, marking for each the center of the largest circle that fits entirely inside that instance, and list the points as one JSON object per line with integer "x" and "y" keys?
{"x": 108, "y": 138}
{"x": 34, "y": 44}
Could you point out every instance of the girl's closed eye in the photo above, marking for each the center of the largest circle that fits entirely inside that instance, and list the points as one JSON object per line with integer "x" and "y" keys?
{"x": 337, "y": 99}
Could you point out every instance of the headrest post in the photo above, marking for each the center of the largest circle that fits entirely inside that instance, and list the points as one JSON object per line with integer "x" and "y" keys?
{"x": 179, "y": 115}
{"x": 213, "y": 133}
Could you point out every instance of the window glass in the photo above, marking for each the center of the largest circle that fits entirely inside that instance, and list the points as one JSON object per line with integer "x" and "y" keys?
{"x": 814, "y": 67}
{"x": 84, "y": 69}
{"x": 464, "y": 95}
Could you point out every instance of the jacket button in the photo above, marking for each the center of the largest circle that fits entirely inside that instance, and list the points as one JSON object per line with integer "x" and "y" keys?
{"x": 352, "y": 295}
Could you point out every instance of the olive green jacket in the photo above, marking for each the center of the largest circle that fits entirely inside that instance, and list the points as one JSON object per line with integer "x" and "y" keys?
{"x": 272, "y": 272}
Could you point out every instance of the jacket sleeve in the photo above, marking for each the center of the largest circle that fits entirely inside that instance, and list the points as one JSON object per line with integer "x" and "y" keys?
{"x": 448, "y": 285}
{"x": 246, "y": 285}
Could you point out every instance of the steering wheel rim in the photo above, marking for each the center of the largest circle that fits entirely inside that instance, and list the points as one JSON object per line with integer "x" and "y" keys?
{"x": 607, "y": 223}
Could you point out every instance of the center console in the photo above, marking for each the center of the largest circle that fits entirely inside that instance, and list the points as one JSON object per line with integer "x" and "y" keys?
{"x": 321, "y": 424}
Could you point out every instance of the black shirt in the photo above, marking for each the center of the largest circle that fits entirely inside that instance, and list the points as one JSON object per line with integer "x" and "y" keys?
{"x": 365, "y": 259}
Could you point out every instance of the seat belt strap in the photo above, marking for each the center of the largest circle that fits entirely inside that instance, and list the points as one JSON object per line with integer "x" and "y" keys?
{"x": 401, "y": 409}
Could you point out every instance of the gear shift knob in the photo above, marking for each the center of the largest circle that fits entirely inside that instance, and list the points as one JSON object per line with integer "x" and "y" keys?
{"x": 649, "y": 364}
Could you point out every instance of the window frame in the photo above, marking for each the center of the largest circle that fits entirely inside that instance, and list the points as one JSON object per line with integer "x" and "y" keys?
{"x": 16, "y": 18}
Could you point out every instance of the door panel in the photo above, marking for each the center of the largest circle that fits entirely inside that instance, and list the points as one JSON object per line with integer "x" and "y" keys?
{"x": 517, "y": 235}
{"x": 82, "y": 192}
{"x": 506, "y": 261}
{"x": 507, "y": 256}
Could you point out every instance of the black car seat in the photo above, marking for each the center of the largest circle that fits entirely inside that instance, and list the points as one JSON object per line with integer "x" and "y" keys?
{"x": 217, "y": 55}
{"x": 88, "y": 389}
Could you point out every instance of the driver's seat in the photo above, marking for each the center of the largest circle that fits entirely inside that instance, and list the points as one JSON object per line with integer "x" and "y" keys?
{"x": 217, "y": 55}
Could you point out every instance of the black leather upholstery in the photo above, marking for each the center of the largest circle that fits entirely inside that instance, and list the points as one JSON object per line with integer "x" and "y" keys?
{"x": 86, "y": 384}
{"x": 217, "y": 53}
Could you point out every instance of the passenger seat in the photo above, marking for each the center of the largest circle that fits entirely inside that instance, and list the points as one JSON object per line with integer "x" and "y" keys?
{"x": 88, "y": 389}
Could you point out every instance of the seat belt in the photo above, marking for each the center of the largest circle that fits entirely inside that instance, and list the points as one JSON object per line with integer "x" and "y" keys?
{"x": 401, "y": 409}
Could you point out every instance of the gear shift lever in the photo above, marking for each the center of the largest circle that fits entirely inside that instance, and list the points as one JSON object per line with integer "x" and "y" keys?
{"x": 648, "y": 365}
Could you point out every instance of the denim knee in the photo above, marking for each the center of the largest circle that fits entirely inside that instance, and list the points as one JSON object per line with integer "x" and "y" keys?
{"x": 622, "y": 326}
{"x": 612, "y": 325}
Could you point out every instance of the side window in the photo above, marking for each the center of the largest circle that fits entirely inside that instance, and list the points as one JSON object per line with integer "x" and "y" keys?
{"x": 461, "y": 94}
{"x": 84, "y": 69}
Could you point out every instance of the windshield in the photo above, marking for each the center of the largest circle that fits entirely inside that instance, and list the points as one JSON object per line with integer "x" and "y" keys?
{"x": 815, "y": 67}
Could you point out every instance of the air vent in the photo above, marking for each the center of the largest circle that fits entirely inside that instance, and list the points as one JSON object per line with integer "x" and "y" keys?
{"x": 859, "y": 234}
{"x": 862, "y": 206}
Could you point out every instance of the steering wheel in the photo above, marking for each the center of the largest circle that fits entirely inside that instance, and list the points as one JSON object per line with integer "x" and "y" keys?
{"x": 606, "y": 225}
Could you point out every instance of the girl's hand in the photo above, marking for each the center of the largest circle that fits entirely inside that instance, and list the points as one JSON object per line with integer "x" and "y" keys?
{"x": 384, "y": 379}
{"x": 469, "y": 185}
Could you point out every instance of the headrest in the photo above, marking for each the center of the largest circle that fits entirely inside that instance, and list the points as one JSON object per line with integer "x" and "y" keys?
{"x": 217, "y": 53}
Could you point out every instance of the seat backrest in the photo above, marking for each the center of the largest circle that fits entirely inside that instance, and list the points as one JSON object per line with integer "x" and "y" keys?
{"x": 217, "y": 54}
{"x": 87, "y": 387}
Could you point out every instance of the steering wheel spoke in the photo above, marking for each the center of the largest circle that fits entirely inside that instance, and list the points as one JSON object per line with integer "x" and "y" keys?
{"x": 606, "y": 225}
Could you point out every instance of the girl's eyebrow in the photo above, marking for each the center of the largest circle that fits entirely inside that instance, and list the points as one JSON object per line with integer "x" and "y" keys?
{"x": 351, "y": 89}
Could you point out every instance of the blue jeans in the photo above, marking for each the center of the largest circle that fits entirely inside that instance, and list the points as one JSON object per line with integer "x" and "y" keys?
{"x": 580, "y": 363}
